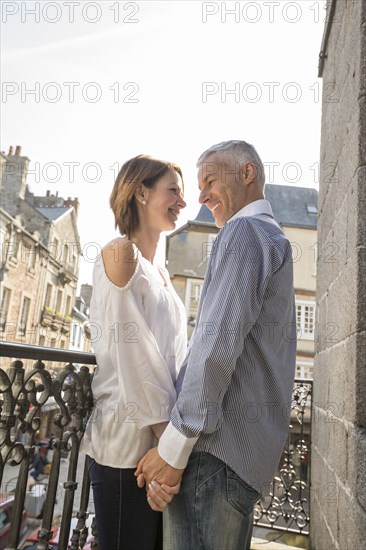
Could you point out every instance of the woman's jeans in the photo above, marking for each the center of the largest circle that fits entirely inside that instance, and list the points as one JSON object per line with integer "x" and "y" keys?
{"x": 213, "y": 510}
{"x": 124, "y": 519}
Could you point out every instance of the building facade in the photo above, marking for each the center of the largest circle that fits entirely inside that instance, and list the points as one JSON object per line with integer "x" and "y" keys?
{"x": 40, "y": 253}
{"x": 80, "y": 337}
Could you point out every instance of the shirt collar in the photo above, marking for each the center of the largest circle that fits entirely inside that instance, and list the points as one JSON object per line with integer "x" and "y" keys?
{"x": 254, "y": 208}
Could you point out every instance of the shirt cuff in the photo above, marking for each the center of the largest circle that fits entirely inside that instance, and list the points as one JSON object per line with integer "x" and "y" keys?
{"x": 175, "y": 448}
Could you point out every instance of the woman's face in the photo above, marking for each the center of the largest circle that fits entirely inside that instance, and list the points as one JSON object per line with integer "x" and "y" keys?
{"x": 164, "y": 201}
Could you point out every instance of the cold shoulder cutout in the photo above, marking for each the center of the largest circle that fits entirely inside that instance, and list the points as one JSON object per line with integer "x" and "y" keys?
{"x": 120, "y": 259}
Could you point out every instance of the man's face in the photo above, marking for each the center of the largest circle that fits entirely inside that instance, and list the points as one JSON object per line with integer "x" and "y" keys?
{"x": 222, "y": 188}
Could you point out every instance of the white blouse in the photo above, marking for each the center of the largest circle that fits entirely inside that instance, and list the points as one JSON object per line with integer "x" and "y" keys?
{"x": 139, "y": 339}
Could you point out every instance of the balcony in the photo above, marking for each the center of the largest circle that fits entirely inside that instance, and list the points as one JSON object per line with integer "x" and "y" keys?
{"x": 56, "y": 320}
{"x": 27, "y": 393}
{"x": 66, "y": 274}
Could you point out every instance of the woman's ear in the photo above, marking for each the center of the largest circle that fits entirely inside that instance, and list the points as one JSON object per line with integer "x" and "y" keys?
{"x": 141, "y": 194}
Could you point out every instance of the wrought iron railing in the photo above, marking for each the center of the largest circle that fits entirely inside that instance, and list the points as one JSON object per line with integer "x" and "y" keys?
{"x": 24, "y": 393}
{"x": 287, "y": 507}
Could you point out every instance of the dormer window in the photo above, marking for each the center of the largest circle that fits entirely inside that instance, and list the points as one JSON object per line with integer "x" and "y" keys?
{"x": 311, "y": 209}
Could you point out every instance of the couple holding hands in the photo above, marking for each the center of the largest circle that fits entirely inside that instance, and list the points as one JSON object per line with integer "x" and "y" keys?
{"x": 172, "y": 429}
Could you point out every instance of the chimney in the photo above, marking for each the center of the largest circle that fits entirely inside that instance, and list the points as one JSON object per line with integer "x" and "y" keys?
{"x": 47, "y": 193}
{"x": 10, "y": 151}
{"x": 18, "y": 150}
{"x": 72, "y": 202}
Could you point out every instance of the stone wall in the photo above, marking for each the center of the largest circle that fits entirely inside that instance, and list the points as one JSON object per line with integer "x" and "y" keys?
{"x": 338, "y": 503}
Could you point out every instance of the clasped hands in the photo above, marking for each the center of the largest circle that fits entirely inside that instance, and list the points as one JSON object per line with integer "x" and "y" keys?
{"x": 162, "y": 480}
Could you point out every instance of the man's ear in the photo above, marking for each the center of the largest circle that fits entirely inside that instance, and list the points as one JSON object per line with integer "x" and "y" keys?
{"x": 249, "y": 172}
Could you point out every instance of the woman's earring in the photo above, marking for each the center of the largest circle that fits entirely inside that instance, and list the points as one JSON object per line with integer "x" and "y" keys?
{"x": 144, "y": 202}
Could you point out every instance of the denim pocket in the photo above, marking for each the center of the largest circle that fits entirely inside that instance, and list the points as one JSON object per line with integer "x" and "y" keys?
{"x": 209, "y": 468}
{"x": 240, "y": 495}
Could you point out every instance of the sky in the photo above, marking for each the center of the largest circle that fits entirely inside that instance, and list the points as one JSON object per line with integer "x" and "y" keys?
{"x": 88, "y": 85}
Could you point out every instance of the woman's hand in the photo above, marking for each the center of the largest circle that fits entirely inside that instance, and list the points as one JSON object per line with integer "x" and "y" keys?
{"x": 160, "y": 496}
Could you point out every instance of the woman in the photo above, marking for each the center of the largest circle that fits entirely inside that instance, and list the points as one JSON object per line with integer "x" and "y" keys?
{"x": 139, "y": 338}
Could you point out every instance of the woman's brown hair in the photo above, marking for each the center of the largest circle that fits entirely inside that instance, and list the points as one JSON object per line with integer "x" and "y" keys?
{"x": 139, "y": 170}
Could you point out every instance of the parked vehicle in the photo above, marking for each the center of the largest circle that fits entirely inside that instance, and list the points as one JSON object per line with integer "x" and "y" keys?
{"x": 6, "y": 512}
{"x": 32, "y": 540}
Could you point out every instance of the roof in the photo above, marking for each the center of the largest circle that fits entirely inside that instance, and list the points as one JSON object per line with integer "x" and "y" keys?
{"x": 292, "y": 206}
{"x": 52, "y": 213}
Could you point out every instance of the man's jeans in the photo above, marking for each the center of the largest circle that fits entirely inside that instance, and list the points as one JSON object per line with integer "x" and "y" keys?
{"x": 213, "y": 510}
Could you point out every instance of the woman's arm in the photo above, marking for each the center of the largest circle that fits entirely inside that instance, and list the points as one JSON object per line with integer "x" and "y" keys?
{"x": 142, "y": 373}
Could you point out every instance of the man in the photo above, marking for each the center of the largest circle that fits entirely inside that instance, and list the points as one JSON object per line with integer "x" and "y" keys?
{"x": 230, "y": 422}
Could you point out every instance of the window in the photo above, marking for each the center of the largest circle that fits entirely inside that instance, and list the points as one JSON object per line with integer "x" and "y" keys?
{"x": 4, "y": 308}
{"x": 76, "y": 335}
{"x": 73, "y": 334}
{"x": 66, "y": 254}
{"x": 68, "y": 305}
{"x": 312, "y": 209}
{"x": 305, "y": 320}
{"x": 56, "y": 249}
{"x": 14, "y": 246}
{"x": 59, "y": 301}
{"x": 79, "y": 336}
{"x": 193, "y": 293}
{"x": 24, "y": 316}
{"x": 73, "y": 263}
{"x": 30, "y": 257}
{"x": 42, "y": 341}
{"x": 48, "y": 297}
{"x": 304, "y": 370}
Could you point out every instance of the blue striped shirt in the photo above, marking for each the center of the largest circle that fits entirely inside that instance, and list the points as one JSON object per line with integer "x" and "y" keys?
{"x": 235, "y": 385}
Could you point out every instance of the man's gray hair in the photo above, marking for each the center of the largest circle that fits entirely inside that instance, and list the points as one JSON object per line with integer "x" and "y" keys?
{"x": 236, "y": 151}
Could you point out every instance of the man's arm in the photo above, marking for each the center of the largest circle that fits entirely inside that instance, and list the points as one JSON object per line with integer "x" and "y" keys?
{"x": 153, "y": 467}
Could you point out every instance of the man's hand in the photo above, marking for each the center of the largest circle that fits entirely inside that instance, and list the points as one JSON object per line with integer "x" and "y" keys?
{"x": 154, "y": 468}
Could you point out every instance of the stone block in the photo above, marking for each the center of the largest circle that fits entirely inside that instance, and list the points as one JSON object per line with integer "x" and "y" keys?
{"x": 321, "y": 379}
{"x": 323, "y": 516}
{"x": 357, "y": 465}
{"x": 328, "y": 262}
{"x": 320, "y": 437}
{"x": 352, "y": 523}
{"x": 361, "y": 288}
{"x": 343, "y": 361}
{"x": 362, "y": 123}
{"x": 337, "y": 452}
{"x": 361, "y": 204}
{"x": 351, "y": 206}
{"x": 362, "y": 17}
{"x": 343, "y": 291}
{"x": 360, "y": 380}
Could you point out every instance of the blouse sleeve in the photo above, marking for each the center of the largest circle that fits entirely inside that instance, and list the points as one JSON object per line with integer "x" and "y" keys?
{"x": 143, "y": 376}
